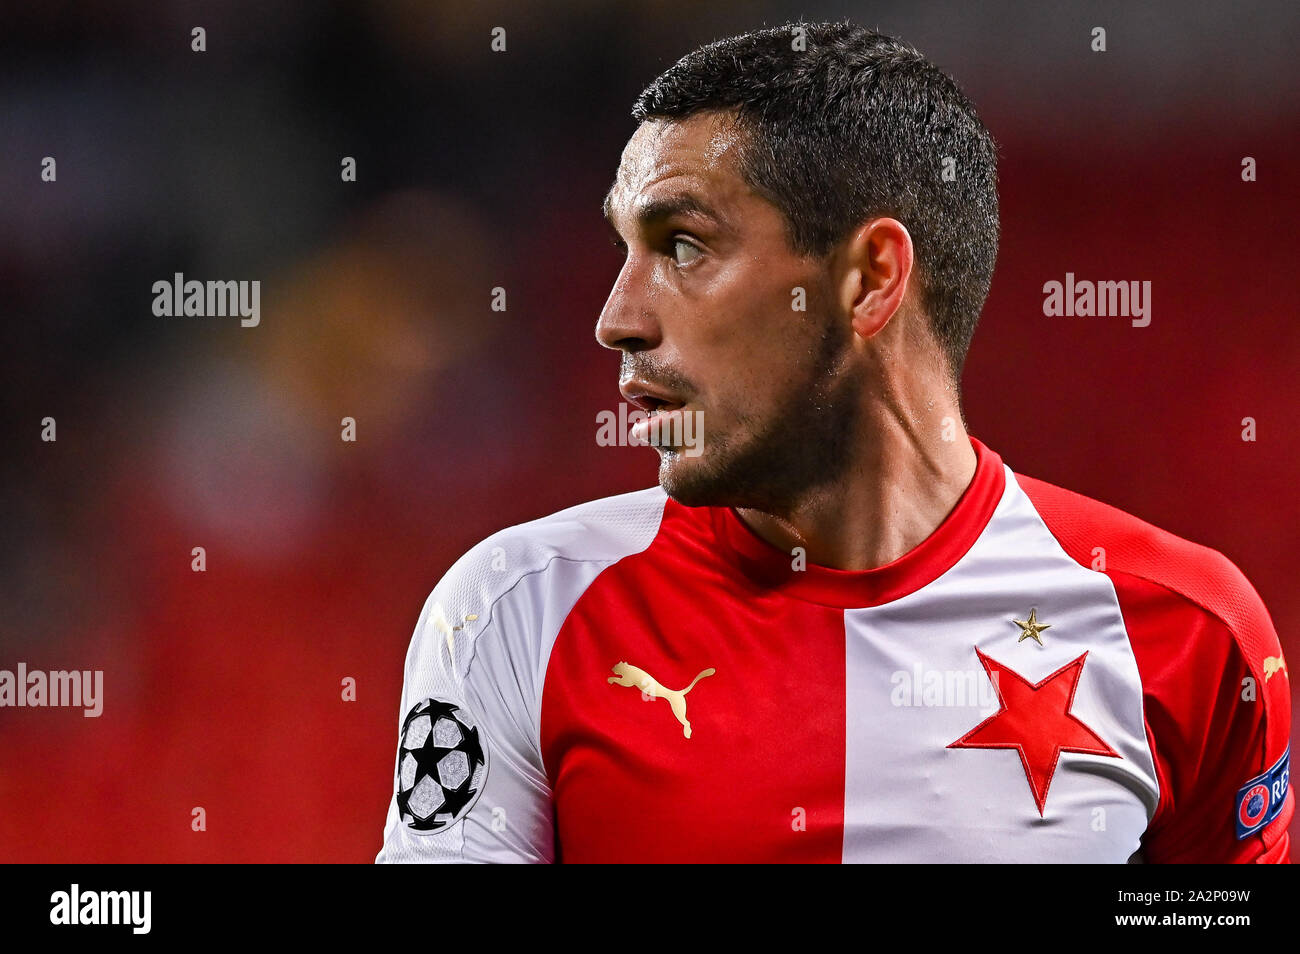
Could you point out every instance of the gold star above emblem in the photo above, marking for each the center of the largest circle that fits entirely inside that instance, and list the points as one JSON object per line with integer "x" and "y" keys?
{"x": 1030, "y": 628}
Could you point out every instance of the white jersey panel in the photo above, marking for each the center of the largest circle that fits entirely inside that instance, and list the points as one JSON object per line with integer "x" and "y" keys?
{"x": 915, "y": 684}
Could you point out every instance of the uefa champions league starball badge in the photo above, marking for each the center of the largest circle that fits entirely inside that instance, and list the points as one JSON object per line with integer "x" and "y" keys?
{"x": 441, "y": 766}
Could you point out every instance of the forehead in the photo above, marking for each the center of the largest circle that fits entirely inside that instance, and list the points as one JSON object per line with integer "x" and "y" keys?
{"x": 695, "y": 156}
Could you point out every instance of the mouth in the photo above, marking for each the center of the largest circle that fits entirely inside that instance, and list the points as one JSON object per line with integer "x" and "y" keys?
{"x": 650, "y": 401}
{"x": 664, "y": 426}
{"x": 655, "y": 408}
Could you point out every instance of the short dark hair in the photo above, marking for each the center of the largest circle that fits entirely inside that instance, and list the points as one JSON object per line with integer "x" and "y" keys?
{"x": 854, "y": 126}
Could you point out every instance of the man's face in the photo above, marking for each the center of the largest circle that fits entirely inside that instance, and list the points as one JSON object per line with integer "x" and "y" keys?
{"x": 706, "y": 313}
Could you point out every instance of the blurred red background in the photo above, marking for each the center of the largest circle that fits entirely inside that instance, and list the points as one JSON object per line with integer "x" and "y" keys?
{"x": 475, "y": 170}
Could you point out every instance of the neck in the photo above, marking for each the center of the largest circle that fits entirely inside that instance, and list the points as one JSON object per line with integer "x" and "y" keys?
{"x": 903, "y": 481}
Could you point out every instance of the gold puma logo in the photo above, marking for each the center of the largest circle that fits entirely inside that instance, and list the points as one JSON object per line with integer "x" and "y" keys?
{"x": 640, "y": 679}
{"x": 1272, "y": 666}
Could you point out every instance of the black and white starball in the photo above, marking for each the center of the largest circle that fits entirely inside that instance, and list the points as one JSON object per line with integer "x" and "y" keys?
{"x": 441, "y": 765}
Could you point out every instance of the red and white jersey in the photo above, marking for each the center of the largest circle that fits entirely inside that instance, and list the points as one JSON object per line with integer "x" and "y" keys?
{"x": 1043, "y": 679}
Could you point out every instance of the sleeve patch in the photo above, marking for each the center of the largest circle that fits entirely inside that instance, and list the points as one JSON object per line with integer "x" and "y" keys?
{"x": 442, "y": 764}
{"x": 1260, "y": 800}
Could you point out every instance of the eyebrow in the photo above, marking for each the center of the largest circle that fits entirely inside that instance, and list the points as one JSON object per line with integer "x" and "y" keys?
{"x": 656, "y": 210}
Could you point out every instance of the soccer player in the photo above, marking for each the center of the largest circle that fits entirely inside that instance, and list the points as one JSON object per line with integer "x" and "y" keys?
{"x": 840, "y": 629}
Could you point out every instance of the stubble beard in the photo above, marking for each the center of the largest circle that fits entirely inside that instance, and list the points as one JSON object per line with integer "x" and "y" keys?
{"x": 772, "y": 464}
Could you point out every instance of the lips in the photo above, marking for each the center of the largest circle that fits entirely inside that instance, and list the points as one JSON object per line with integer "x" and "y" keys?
{"x": 648, "y": 399}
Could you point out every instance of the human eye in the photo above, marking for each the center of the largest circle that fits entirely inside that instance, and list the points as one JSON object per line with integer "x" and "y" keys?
{"x": 692, "y": 252}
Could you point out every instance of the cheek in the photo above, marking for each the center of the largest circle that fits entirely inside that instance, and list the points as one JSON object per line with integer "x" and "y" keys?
{"x": 746, "y": 401}
{"x": 751, "y": 344}
{"x": 762, "y": 373}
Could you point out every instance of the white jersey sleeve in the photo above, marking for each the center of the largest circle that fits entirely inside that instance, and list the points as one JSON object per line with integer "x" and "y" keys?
{"x": 469, "y": 782}
{"x": 488, "y": 799}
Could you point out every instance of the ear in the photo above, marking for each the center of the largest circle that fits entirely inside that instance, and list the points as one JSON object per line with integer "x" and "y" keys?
{"x": 878, "y": 263}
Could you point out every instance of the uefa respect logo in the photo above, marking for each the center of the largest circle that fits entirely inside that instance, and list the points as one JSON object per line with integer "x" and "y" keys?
{"x": 673, "y": 429}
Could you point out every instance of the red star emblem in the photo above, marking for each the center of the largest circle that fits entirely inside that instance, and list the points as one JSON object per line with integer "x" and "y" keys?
{"x": 1035, "y": 720}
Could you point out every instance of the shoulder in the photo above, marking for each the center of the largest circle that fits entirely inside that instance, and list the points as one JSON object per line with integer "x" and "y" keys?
{"x": 521, "y": 577}
{"x": 599, "y": 531}
{"x": 1155, "y": 569}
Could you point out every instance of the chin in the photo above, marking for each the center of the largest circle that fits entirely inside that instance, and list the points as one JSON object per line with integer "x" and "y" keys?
{"x": 690, "y": 481}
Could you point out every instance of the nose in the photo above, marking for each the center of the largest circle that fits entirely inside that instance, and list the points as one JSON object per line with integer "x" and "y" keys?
{"x": 627, "y": 322}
